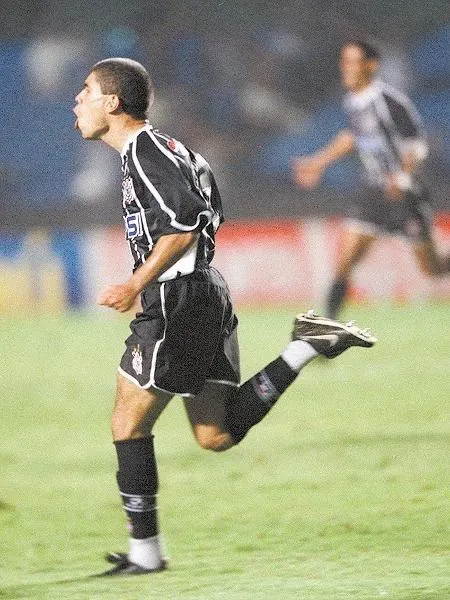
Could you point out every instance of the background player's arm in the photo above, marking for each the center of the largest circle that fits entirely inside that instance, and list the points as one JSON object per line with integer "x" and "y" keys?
{"x": 397, "y": 183}
{"x": 167, "y": 250}
{"x": 411, "y": 141}
{"x": 308, "y": 170}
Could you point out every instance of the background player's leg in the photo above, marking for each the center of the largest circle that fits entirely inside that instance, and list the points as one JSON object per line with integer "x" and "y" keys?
{"x": 135, "y": 412}
{"x": 429, "y": 260}
{"x": 354, "y": 246}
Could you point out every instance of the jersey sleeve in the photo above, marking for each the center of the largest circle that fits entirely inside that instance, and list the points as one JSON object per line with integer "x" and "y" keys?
{"x": 404, "y": 117}
{"x": 170, "y": 203}
{"x": 407, "y": 124}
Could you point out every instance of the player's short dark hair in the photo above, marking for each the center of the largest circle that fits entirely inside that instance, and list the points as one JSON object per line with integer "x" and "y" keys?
{"x": 369, "y": 51}
{"x": 130, "y": 81}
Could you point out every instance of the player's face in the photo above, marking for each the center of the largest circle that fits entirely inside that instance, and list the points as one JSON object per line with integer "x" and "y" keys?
{"x": 356, "y": 71}
{"x": 91, "y": 109}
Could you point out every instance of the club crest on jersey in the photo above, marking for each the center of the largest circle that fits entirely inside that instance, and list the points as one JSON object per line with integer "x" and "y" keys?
{"x": 133, "y": 225}
{"x": 136, "y": 363}
{"x": 128, "y": 193}
{"x": 172, "y": 144}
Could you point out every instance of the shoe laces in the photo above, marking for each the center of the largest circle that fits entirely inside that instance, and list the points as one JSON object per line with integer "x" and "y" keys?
{"x": 366, "y": 332}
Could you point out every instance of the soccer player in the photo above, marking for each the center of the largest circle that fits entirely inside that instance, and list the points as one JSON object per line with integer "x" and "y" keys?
{"x": 386, "y": 132}
{"x": 184, "y": 341}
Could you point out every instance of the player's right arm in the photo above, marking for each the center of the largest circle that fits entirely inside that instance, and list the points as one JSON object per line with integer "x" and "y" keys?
{"x": 165, "y": 253}
{"x": 308, "y": 170}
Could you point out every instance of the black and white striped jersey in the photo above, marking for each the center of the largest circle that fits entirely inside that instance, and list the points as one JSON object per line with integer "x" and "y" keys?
{"x": 385, "y": 125}
{"x": 166, "y": 189}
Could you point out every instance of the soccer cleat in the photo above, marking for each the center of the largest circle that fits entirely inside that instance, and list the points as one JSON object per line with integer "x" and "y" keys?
{"x": 116, "y": 557}
{"x": 123, "y": 567}
{"x": 328, "y": 337}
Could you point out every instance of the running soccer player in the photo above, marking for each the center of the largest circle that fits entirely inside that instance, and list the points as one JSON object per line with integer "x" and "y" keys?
{"x": 386, "y": 132}
{"x": 184, "y": 341}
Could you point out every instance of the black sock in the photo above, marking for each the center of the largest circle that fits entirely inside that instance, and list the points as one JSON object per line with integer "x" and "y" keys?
{"x": 336, "y": 297}
{"x": 255, "y": 398}
{"x": 137, "y": 478}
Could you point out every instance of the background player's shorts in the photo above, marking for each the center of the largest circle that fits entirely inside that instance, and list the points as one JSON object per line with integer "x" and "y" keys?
{"x": 410, "y": 217}
{"x": 185, "y": 335}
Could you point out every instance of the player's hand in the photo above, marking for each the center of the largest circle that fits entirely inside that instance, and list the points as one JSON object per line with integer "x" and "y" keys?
{"x": 121, "y": 297}
{"x": 393, "y": 189}
{"x": 307, "y": 171}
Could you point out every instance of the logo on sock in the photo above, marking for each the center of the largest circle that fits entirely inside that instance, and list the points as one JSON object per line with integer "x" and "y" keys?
{"x": 265, "y": 388}
{"x": 139, "y": 503}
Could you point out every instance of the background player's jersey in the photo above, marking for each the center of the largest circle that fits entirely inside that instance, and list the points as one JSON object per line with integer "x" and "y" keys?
{"x": 166, "y": 189}
{"x": 385, "y": 125}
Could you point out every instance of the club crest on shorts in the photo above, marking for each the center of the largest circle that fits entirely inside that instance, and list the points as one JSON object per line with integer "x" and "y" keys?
{"x": 137, "y": 360}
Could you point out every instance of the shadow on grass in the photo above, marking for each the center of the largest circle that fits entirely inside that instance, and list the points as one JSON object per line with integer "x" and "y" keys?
{"x": 32, "y": 590}
{"x": 375, "y": 439}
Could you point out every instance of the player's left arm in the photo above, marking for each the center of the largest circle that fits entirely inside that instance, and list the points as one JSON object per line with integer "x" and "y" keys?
{"x": 410, "y": 141}
{"x": 409, "y": 130}
{"x": 165, "y": 253}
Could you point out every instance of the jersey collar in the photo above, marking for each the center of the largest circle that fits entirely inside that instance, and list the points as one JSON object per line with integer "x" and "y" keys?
{"x": 133, "y": 136}
{"x": 361, "y": 99}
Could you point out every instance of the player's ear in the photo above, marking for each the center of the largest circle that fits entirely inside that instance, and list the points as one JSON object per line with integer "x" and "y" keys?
{"x": 373, "y": 65}
{"x": 113, "y": 103}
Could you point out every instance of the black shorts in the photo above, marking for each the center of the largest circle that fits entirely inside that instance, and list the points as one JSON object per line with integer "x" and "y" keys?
{"x": 185, "y": 335}
{"x": 410, "y": 217}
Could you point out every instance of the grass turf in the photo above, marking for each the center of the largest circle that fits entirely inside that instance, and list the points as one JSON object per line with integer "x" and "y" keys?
{"x": 341, "y": 492}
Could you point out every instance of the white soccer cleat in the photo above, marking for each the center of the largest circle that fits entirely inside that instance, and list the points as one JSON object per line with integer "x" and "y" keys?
{"x": 328, "y": 337}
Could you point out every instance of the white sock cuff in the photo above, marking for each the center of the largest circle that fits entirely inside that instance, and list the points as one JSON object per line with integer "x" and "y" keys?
{"x": 297, "y": 354}
{"x": 146, "y": 552}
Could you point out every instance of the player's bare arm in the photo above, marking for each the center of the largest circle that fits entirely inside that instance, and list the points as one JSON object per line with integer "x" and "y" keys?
{"x": 308, "y": 170}
{"x": 397, "y": 183}
{"x": 167, "y": 250}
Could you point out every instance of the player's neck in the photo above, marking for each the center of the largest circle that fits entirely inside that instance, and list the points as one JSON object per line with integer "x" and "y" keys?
{"x": 120, "y": 131}
{"x": 362, "y": 86}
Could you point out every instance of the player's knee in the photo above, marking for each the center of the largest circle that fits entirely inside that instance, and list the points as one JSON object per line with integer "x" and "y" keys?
{"x": 209, "y": 443}
{"x": 213, "y": 440}
{"x": 125, "y": 428}
{"x": 123, "y": 431}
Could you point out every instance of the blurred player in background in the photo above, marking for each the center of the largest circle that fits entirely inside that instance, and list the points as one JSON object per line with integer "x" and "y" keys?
{"x": 386, "y": 132}
{"x": 184, "y": 342}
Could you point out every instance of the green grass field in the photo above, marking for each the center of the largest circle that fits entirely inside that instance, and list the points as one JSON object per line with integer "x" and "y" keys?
{"x": 342, "y": 492}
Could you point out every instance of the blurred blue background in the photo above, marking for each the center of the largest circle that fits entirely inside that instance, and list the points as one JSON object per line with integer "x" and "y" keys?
{"x": 249, "y": 84}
